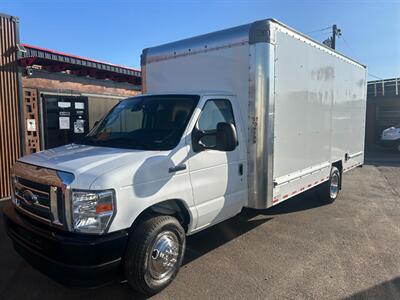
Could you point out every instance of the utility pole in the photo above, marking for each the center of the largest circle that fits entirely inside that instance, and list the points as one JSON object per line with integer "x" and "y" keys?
{"x": 336, "y": 32}
{"x": 331, "y": 41}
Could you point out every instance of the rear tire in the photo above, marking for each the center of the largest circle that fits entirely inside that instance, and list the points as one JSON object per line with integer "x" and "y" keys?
{"x": 154, "y": 254}
{"x": 330, "y": 190}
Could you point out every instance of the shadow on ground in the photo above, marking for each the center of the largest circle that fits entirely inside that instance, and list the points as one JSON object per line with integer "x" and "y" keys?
{"x": 214, "y": 237}
{"x": 380, "y": 291}
{"x": 18, "y": 279}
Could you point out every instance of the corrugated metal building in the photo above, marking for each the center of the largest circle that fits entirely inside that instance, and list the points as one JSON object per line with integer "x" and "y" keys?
{"x": 383, "y": 108}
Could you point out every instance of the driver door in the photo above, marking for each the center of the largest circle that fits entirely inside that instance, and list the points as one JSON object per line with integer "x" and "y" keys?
{"x": 218, "y": 177}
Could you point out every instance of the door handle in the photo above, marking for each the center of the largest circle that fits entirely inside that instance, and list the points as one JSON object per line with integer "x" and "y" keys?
{"x": 177, "y": 168}
{"x": 240, "y": 169}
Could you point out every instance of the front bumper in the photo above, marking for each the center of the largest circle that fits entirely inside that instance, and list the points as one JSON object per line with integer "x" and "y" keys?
{"x": 69, "y": 258}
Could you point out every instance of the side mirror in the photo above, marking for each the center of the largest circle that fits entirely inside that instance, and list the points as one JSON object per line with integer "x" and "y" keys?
{"x": 226, "y": 139}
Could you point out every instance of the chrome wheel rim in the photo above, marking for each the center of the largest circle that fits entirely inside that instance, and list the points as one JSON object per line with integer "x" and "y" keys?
{"x": 334, "y": 188}
{"x": 163, "y": 257}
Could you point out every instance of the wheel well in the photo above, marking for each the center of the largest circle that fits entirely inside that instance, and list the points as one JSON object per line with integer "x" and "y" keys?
{"x": 172, "y": 207}
{"x": 338, "y": 164}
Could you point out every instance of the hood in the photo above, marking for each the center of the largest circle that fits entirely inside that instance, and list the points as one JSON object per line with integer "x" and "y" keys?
{"x": 88, "y": 162}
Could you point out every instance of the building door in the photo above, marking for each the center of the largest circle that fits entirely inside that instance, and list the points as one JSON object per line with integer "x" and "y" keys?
{"x": 65, "y": 119}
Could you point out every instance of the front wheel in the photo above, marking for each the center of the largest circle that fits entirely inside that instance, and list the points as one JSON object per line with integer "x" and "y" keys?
{"x": 154, "y": 254}
{"x": 330, "y": 190}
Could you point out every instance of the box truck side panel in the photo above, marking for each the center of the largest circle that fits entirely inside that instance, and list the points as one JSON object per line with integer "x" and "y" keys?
{"x": 348, "y": 115}
{"x": 303, "y": 100}
{"x": 319, "y": 114}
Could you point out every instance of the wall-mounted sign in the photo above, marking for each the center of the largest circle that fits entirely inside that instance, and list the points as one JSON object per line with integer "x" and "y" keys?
{"x": 31, "y": 124}
{"x": 64, "y": 122}
{"x": 64, "y": 104}
{"x": 79, "y": 105}
{"x": 79, "y": 126}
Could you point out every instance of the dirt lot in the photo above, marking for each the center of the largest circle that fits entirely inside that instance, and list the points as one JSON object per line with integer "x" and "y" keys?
{"x": 299, "y": 249}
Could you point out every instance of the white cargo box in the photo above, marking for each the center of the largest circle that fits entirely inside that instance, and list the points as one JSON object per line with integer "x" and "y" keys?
{"x": 304, "y": 103}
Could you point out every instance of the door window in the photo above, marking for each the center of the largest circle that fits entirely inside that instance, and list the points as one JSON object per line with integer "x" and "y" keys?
{"x": 214, "y": 112}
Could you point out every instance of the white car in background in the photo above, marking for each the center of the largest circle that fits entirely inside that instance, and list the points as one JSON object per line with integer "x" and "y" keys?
{"x": 391, "y": 137}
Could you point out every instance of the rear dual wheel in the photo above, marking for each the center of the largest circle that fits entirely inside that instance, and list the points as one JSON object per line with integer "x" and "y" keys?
{"x": 330, "y": 190}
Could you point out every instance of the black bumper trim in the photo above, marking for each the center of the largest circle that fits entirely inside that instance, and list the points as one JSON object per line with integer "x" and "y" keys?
{"x": 72, "y": 259}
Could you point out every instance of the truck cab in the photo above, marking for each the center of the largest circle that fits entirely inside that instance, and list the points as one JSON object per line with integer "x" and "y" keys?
{"x": 180, "y": 156}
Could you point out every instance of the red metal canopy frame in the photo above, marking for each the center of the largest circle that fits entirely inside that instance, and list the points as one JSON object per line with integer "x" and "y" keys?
{"x": 55, "y": 61}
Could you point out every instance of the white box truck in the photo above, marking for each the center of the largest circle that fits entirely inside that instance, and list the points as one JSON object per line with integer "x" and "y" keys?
{"x": 244, "y": 117}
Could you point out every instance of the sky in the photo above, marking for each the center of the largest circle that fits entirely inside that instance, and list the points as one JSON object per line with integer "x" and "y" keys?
{"x": 117, "y": 31}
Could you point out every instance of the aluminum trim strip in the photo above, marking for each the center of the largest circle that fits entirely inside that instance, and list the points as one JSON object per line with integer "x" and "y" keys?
{"x": 68, "y": 207}
{"x": 214, "y": 40}
{"x": 261, "y": 125}
{"x": 298, "y": 175}
{"x": 190, "y": 52}
{"x": 54, "y": 205}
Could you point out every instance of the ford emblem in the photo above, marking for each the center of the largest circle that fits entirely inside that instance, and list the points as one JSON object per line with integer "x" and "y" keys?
{"x": 29, "y": 197}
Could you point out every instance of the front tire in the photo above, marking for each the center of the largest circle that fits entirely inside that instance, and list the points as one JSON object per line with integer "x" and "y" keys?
{"x": 154, "y": 254}
{"x": 330, "y": 189}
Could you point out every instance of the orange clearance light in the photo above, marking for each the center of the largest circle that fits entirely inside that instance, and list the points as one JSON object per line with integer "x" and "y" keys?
{"x": 103, "y": 207}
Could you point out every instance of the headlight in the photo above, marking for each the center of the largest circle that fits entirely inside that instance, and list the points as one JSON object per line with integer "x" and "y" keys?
{"x": 92, "y": 211}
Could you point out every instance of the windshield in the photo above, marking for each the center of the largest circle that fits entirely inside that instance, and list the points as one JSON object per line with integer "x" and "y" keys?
{"x": 146, "y": 123}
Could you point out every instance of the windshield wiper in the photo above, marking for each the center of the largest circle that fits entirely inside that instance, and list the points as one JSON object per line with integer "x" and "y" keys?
{"x": 117, "y": 142}
{"x": 89, "y": 140}
{"x": 122, "y": 142}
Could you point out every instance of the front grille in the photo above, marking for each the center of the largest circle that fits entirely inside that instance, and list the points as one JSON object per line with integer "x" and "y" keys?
{"x": 42, "y": 194}
{"x": 40, "y": 190}
{"x": 35, "y": 199}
